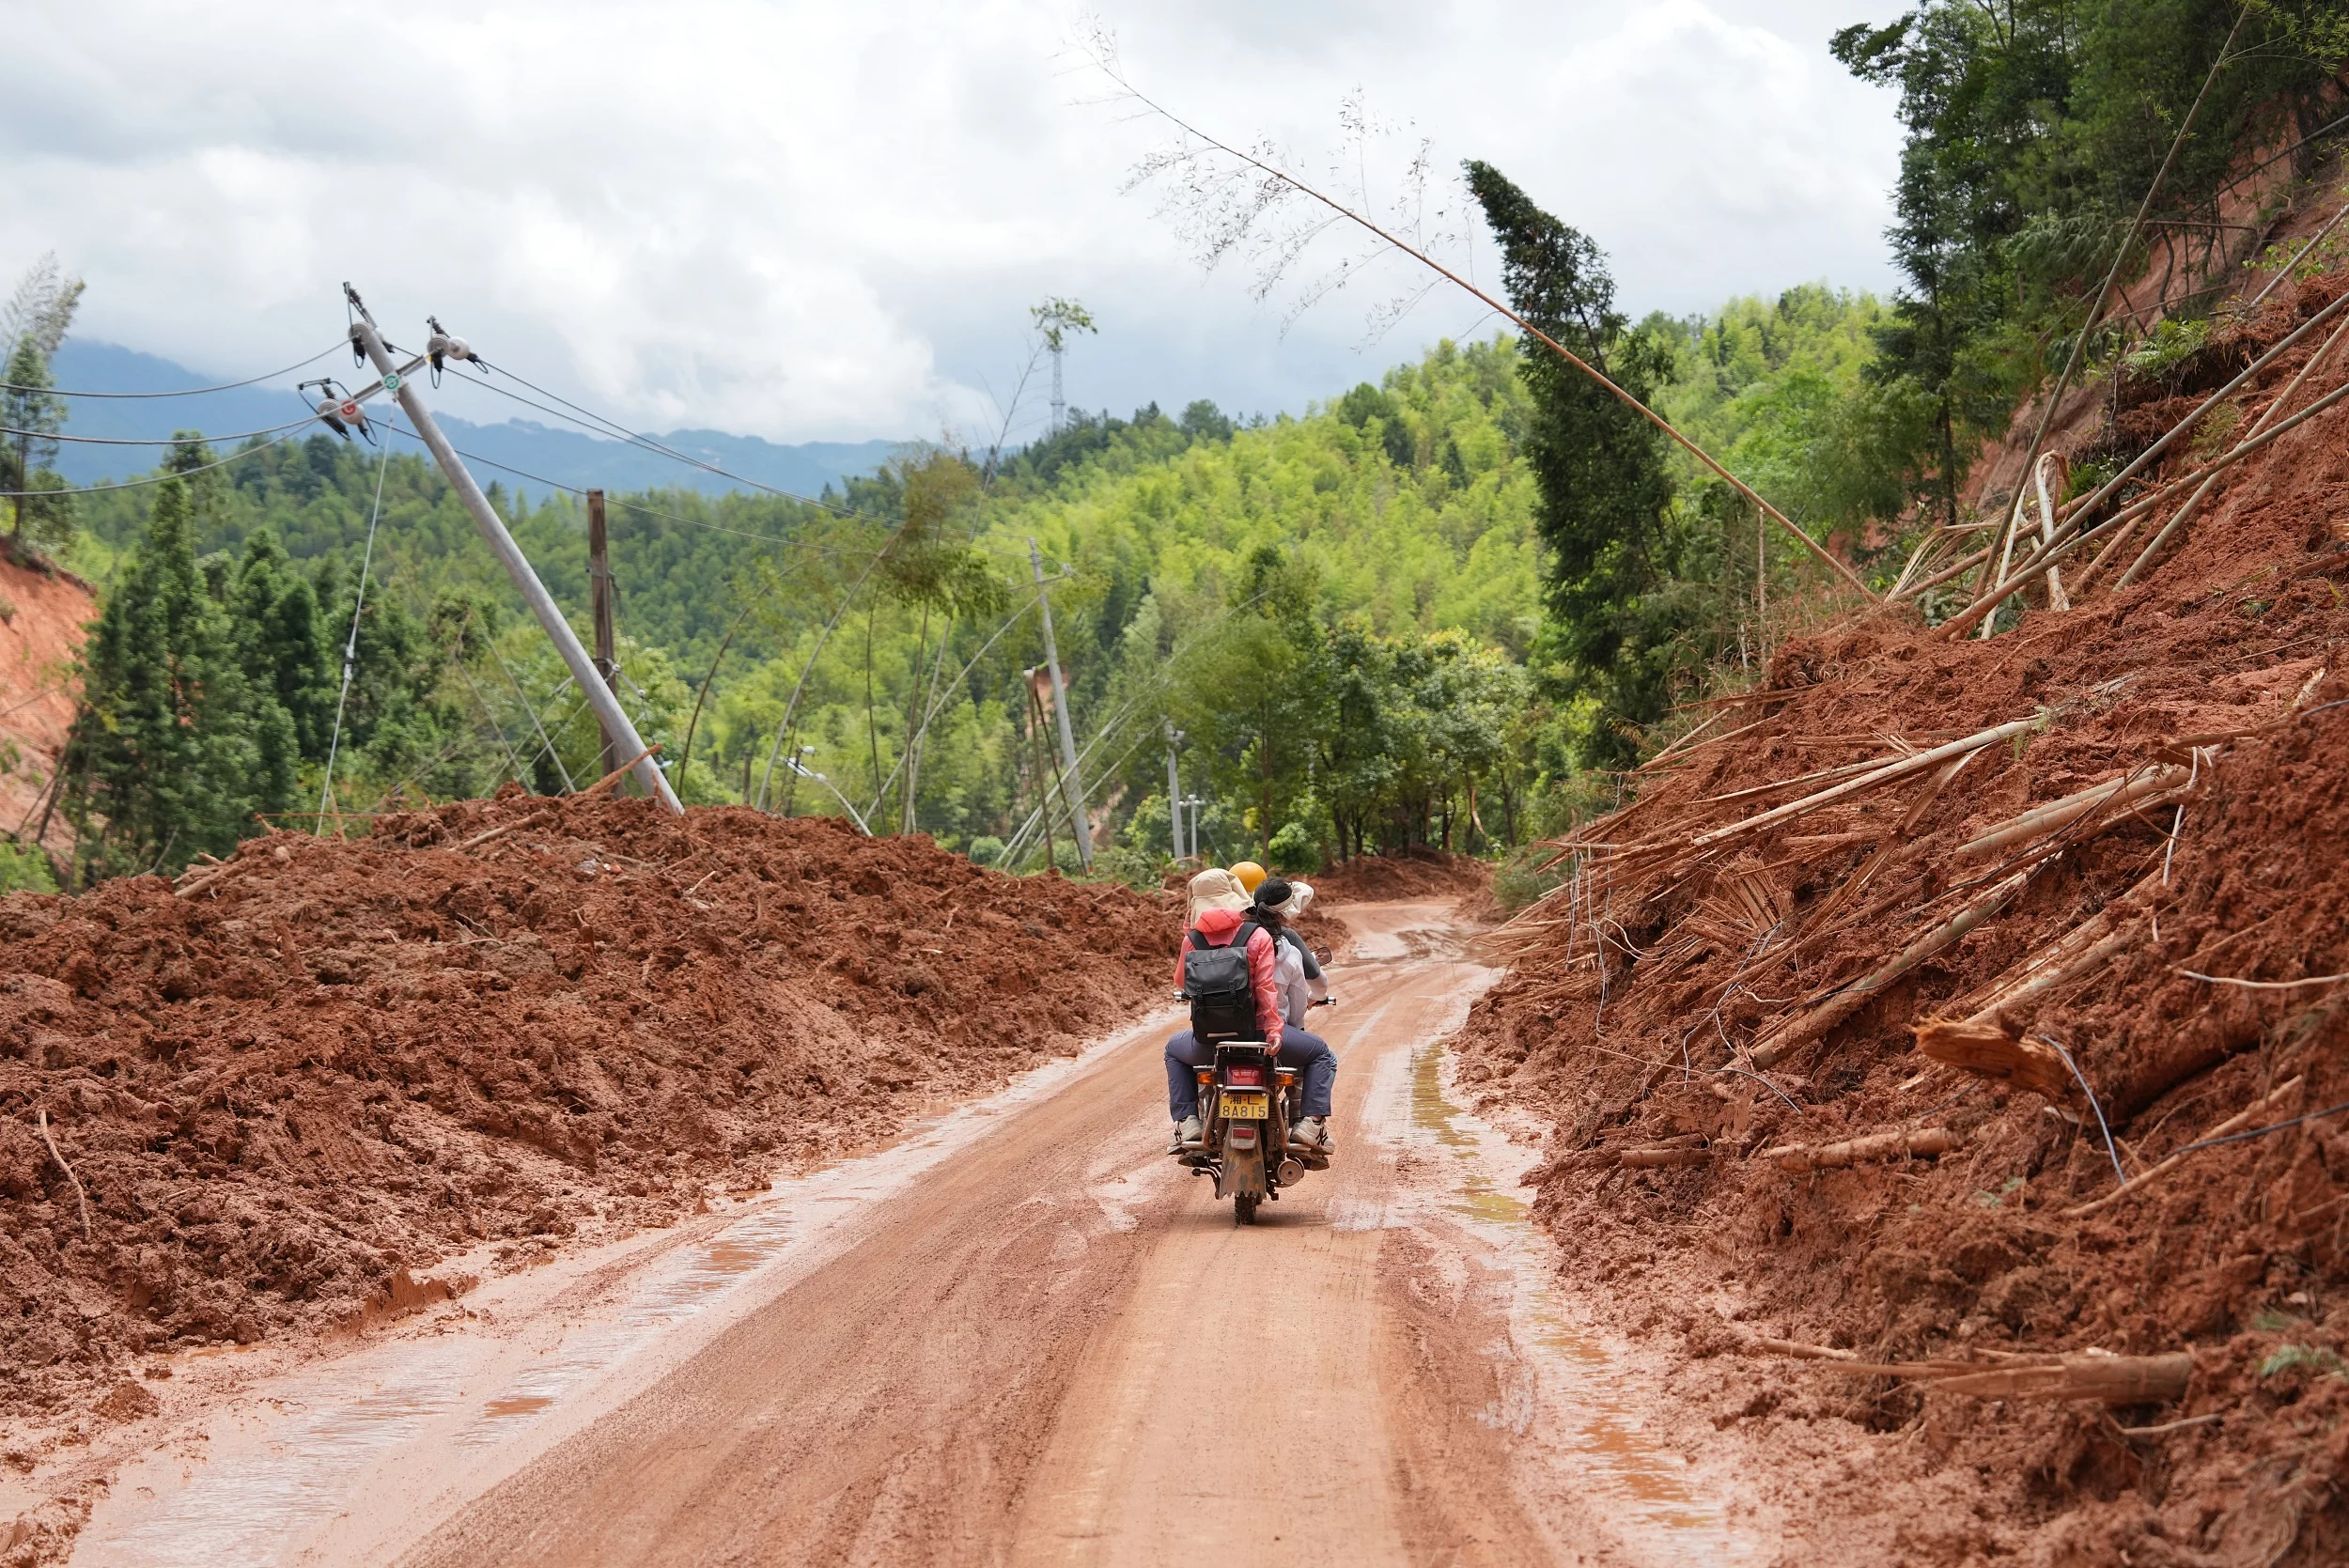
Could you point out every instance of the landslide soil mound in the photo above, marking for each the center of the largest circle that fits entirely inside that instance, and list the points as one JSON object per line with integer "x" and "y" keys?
{"x": 296, "y": 1082}
{"x": 1418, "y": 873}
{"x": 1708, "y": 1002}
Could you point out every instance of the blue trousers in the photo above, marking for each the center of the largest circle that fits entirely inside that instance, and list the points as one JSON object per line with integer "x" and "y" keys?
{"x": 1309, "y": 1052}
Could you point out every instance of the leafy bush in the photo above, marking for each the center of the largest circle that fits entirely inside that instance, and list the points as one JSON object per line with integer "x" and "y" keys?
{"x": 2171, "y": 343}
{"x": 1294, "y": 848}
{"x": 24, "y": 869}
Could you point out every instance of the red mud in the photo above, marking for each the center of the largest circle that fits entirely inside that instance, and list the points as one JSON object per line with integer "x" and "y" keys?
{"x": 2243, "y": 1258}
{"x": 293, "y": 1087}
{"x": 1415, "y": 874}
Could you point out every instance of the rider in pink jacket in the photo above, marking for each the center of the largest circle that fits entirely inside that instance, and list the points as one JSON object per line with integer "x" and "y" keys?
{"x": 1219, "y": 925}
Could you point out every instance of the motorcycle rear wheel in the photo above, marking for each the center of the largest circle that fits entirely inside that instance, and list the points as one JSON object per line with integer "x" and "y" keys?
{"x": 1244, "y": 1207}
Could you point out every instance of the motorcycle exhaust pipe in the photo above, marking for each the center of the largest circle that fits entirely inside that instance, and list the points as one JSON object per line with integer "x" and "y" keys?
{"x": 1290, "y": 1172}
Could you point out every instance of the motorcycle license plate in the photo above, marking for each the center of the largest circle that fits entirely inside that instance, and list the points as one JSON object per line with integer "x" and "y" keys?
{"x": 1246, "y": 1107}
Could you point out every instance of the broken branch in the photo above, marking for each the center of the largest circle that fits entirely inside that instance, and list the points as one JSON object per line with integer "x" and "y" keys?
{"x": 41, "y": 1119}
{"x": 1852, "y": 998}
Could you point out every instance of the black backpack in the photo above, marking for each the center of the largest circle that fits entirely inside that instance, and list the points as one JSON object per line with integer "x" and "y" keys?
{"x": 1223, "y": 1001}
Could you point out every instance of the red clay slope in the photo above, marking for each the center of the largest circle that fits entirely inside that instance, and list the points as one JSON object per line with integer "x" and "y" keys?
{"x": 42, "y": 617}
{"x": 2242, "y": 1258}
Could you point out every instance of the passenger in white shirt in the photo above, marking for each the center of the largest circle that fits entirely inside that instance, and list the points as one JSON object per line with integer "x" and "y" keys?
{"x": 1297, "y": 980}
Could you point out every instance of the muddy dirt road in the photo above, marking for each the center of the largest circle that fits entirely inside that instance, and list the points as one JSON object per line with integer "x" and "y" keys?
{"x": 1041, "y": 1349}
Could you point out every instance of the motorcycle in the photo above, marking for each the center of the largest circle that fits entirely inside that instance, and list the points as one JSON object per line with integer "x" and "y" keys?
{"x": 1248, "y": 1102}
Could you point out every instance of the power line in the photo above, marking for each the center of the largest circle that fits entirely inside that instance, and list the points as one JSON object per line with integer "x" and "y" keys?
{"x": 350, "y": 646}
{"x": 158, "y": 479}
{"x": 650, "y": 511}
{"x": 614, "y": 428}
{"x": 191, "y": 392}
{"x": 166, "y": 441}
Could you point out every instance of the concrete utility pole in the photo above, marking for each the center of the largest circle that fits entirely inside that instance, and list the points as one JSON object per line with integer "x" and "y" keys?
{"x": 599, "y": 607}
{"x": 609, "y": 713}
{"x": 1080, "y": 824}
{"x": 1174, "y": 786}
{"x": 1191, "y": 803}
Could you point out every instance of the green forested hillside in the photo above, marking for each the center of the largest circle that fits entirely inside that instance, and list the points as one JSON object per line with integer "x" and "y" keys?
{"x": 1393, "y": 525}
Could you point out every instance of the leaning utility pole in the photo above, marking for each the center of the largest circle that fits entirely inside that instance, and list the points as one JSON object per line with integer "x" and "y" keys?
{"x": 609, "y": 713}
{"x": 1174, "y": 786}
{"x": 1079, "y": 823}
{"x": 600, "y": 610}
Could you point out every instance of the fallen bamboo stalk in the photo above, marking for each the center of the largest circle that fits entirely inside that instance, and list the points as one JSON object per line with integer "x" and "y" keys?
{"x": 1801, "y": 1351}
{"x": 1809, "y": 1026}
{"x": 1673, "y": 746}
{"x": 41, "y": 1119}
{"x": 2105, "y": 492}
{"x": 1683, "y": 749}
{"x": 2056, "y": 599}
{"x": 2085, "y": 948}
{"x": 2092, "y": 1375}
{"x": 2121, "y": 790}
{"x": 2265, "y": 1105}
{"x": 1959, "y": 568}
{"x": 2088, "y": 574}
{"x": 1659, "y": 1159}
{"x": 1916, "y": 763}
{"x": 1924, "y": 547}
{"x": 1823, "y": 916}
{"x": 2194, "y": 502}
{"x": 2029, "y": 571}
{"x": 1925, "y": 1143}
{"x": 2290, "y": 267}
{"x": 1841, "y": 770}
{"x": 2129, "y": 517}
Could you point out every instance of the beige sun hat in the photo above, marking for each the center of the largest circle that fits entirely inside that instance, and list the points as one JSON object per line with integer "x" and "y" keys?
{"x": 1215, "y": 889}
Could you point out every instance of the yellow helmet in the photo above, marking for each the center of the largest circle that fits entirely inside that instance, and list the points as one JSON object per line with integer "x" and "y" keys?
{"x": 1250, "y": 874}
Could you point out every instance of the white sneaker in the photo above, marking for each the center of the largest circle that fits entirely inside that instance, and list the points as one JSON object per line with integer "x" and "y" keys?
{"x": 1189, "y": 1134}
{"x": 1309, "y": 1133}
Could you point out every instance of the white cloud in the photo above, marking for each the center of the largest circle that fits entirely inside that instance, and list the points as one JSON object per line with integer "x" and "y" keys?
{"x": 826, "y": 221}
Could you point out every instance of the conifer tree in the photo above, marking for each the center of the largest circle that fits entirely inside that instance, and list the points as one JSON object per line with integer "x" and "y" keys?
{"x": 1606, "y": 494}
{"x": 165, "y": 754}
{"x": 283, "y": 641}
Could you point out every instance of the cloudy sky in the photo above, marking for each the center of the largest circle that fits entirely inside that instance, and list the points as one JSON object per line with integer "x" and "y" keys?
{"x": 827, "y": 222}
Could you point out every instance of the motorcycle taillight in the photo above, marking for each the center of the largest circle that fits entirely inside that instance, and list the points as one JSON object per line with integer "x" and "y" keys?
{"x": 1244, "y": 1078}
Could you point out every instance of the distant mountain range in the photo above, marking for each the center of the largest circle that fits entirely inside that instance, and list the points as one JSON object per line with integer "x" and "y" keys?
{"x": 551, "y": 453}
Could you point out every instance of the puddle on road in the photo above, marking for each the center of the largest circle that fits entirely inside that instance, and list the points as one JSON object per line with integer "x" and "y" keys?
{"x": 1591, "y": 1397}
{"x": 1432, "y": 1114}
